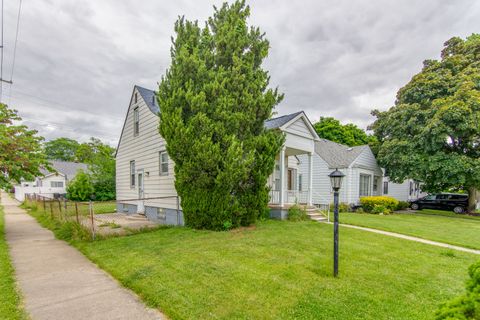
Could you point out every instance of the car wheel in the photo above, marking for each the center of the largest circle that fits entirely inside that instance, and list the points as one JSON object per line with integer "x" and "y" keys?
{"x": 415, "y": 206}
{"x": 458, "y": 210}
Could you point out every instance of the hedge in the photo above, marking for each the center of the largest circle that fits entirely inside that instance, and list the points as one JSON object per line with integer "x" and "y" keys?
{"x": 369, "y": 203}
{"x": 466, "y": 306}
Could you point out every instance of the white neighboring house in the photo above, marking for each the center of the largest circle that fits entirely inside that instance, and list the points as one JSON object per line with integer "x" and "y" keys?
{"x": 405, "y": 191}
{"x": 51, "y": 184}
{"x": 363, "y": 175}
{"x": 145, "y": 175}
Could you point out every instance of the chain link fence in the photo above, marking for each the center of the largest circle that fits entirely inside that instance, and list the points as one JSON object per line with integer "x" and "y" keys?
{"x": 63, "y": 210}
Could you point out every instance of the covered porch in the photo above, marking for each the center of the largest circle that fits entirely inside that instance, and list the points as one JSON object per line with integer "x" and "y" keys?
{"x": 287, "y": 186}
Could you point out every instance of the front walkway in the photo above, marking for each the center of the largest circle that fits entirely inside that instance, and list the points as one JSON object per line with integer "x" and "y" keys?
{"x": 416, "y": 239}
{"x": 57, "y": 281}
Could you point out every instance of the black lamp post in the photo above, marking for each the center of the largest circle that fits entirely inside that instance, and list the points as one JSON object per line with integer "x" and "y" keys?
{"x": 336, "y": 181}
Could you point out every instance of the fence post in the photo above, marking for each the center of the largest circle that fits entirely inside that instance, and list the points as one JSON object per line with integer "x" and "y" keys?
{"x": 44, "y": 205}
{"x": 90, "y": 208}
{"x": 76, "y": 212}
{"x": 51, "y": 209}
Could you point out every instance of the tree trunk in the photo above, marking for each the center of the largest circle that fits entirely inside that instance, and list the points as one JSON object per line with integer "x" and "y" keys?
{"x": 472, "y": 199}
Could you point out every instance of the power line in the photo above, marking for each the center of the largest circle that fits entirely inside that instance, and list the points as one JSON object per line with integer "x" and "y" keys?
{"x": 52, "y": 103}
{"x": 16, "y": 40}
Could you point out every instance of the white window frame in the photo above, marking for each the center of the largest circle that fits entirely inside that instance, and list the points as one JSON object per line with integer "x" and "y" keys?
{"x": 363, "y": 185}
{"x": 136, "y": 121}
{"x": 163, "y": 163}
{"x": 132, "y": 174}
{"x": 56, "y": 184}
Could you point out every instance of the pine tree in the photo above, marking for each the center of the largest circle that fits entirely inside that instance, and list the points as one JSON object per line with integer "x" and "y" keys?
{"x": 214, "y": 100}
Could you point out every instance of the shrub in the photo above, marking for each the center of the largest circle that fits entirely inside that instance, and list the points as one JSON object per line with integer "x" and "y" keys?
{"x": 466, "y": 306}
{"x": 380, "y": 209}
{"x": 342, "y": 207}
{"x": 368, "y": 203}
{"x": 80, "y": 188}
{"x": 402, "y": 205}
{"x": 296, "y": 213}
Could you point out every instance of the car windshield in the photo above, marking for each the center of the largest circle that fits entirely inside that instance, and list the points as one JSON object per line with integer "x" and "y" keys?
{"x": 430, "y": 197}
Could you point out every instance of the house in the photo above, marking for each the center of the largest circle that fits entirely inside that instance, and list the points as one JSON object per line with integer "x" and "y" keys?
{"x": 405, "y": 191}
{"x": 363, "y": 175}
{"x": 51, "y": 184}
{"x": 145, "y": 180}
{"x": 145, "y": 172}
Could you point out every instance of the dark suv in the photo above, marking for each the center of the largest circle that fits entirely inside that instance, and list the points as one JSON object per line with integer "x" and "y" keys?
{"x": 442, "y": 201}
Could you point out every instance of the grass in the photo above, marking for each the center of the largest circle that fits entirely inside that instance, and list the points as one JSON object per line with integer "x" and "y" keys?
{"x": 429, "y": 224}
{"x": 282, "y": 270}
{"x": 104, "y": 207}
{"x": 10, "y": 300}
{"x": 450, "y": 214}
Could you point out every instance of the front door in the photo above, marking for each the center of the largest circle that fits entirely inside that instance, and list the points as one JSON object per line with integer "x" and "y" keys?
{"x": 141, "y": 192}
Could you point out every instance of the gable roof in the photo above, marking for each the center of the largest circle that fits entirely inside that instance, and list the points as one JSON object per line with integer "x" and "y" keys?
{"x": 337, "y": 155}
{"x": 278, "y": 122}
{"x": 68, "y": 169}
{"x": 149, "y": 98}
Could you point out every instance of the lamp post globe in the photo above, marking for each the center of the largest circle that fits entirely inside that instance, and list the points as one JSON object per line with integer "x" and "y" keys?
{"x": 336, "y": 181}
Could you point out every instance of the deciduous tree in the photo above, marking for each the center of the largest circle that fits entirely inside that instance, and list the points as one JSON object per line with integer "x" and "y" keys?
{"x": 21, "y": 154}
{"x": 432, "y": 133}
{"x": 214, "y": 100}
{"x": 63, "y": 149}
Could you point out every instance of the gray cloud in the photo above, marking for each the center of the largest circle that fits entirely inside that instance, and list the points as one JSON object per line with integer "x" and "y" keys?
{"x": 77, "y": 62}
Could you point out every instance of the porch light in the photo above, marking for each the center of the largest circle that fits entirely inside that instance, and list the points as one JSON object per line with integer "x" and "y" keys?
{"x": 336, "y": 179}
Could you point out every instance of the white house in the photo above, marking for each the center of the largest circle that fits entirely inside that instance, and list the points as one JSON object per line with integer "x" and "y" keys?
{"x": 145, "y": 179}
{"x": 50, "y": 184}
{"x": 363, "y": 176}
{"x": 145, "y": 175}
{"x": 405, "y": 191}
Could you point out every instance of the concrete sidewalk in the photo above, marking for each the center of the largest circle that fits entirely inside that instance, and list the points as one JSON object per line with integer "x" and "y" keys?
{"x": 411, "y": 238}
{"x": 57, "y": 281}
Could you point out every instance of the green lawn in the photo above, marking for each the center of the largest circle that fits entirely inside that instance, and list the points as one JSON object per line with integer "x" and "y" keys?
{"x": 10, "y": 302}
{"x": 282, "y": 270}
{"x": 429, "y": 224}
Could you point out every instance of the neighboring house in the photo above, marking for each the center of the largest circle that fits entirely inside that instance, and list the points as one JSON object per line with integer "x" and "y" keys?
{"x": 50, "y": 184}
{"x": 405, "y": 191}
{"x": 145, "y": 175}
{"x": 363, "y": 175}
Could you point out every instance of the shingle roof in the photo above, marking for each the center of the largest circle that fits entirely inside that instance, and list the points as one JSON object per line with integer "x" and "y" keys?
{"x": 337, "y": 155}
{"x": 280, "y": 121}
{"x": 149, "y": 97}
{"x": 150, "y": 100}
{"x": 69, "y": 169}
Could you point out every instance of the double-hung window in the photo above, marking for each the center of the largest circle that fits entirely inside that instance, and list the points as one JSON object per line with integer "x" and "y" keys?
{"x": 136, "y": 121}
{"x": 163, "y": 163}
{"x": 56, "y": 184}
{"x": 364, "y": 185}
{"x": 132, "y": 174}
{"x": 385, "y": 187}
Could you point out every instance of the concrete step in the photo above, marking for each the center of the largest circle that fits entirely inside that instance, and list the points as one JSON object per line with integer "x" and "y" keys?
{"x": 136, "y": 217}
{"x": 316, "y": 216}
{"x": 319, "y": 219}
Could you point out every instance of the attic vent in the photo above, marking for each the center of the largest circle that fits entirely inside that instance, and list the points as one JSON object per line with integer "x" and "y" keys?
{"x": 349, "y": 149}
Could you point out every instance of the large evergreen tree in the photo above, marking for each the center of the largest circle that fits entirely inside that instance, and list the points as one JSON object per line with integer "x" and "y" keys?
{"x": 214, "y": 100}
{"x": 432, "y": 134}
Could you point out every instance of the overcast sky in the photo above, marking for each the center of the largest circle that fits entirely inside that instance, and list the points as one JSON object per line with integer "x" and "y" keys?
{"x": 77, "y": 61}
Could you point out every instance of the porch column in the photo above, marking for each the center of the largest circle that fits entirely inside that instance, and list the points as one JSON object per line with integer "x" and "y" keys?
{"x": 282, "y": 177}
{"x": 310, "y": 179}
